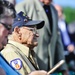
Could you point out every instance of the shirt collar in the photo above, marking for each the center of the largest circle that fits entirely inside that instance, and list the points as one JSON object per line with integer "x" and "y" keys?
{"x": 43, "y": 3}
{"x": 21, "y": 47}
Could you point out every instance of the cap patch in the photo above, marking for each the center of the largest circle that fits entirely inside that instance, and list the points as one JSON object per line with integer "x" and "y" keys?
{"x": 23, "y": 20}
{"x": 16, "y": 63}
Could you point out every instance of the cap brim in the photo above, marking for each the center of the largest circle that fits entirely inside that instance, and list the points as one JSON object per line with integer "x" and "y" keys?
{"x": 39, "y": 24}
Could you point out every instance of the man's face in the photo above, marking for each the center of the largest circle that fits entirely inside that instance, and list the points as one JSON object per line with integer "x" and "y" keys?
{"x": 46, "y": 2}
{"x": 29, "y": 36}
{"x": 3, "y": 30}
{"x": 3, "y": 34}
{"x": 8, "y": 20}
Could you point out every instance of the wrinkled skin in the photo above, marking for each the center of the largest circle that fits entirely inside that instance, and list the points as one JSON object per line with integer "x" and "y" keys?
{"x": 26, "y": 36}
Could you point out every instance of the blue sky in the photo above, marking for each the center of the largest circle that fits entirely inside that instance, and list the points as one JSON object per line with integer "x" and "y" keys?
{"x": 19, "y": 1}
{"x": 70, "y": 3}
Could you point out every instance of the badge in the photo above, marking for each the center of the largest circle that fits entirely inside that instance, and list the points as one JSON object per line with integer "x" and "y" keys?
{"x": 16, "y": 63}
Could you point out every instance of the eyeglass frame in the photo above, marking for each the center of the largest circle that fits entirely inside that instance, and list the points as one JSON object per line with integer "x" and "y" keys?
{"x": 7, "y": 26}
{"x": 33, "y": 29}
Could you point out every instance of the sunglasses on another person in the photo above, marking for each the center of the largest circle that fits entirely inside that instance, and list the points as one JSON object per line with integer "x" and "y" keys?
{"x": 7, "y": 26}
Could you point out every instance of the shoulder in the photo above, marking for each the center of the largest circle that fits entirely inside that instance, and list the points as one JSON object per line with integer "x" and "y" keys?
{"x": 26, "y": 2}
{"x": 8, "y": 51}
{"x": 52, "y": 6}
{"x": 25, "y": 6}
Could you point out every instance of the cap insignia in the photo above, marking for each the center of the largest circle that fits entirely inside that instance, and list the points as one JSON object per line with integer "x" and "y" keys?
{"x": 19, "y": 19}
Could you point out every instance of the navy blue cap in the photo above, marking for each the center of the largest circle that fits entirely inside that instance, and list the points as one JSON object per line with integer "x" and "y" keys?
{"x": 23, "y": 20}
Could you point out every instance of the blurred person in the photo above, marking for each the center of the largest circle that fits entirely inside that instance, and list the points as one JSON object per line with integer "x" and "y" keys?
{"x": 68, "y": 45}
{"x": 3, "y": 36}
{"x": 12, "y": 1}
{"x": 63, "y": 29}
{"x": 49, "y": 50}
{"x": 71, "y": 30}
{"x": 6, "y": 19}
{"x": 7, "y": 14}
{"x": 2, "y": 71}
{"x": 19, "y": 50}
{"x": 71, "y": 57}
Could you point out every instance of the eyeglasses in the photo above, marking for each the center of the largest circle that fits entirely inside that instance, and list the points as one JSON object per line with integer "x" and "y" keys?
{"x": 7, "y": 26}
{"x": 34, "y": 30}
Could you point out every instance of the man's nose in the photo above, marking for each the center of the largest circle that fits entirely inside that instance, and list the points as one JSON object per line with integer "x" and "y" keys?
{"x": 37, "y": 35}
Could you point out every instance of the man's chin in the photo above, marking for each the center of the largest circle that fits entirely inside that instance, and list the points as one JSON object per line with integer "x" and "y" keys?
{"x": 33, "y": 45}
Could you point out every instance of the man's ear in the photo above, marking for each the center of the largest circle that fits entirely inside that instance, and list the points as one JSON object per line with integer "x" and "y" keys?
{"x": 16, "y": 29}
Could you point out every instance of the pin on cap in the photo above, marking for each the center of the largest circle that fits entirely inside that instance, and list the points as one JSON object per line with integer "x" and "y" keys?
{"x": 23, "y": 20}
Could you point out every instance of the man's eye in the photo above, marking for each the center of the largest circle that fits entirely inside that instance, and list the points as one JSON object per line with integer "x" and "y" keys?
{"x": 31, "y": 29}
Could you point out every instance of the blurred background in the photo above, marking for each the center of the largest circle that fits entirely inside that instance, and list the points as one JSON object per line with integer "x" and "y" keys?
{"x": 68, "y": 9}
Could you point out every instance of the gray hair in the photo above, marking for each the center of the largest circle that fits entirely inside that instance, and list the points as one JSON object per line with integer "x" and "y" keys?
{"x": 6, "y": 8}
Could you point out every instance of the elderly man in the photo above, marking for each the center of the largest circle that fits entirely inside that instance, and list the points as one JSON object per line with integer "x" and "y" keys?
{"x": 50, "y": 49}
{"x": 19, "y": 50}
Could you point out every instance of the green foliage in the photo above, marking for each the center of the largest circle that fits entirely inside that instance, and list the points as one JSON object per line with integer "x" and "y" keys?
{"x": 70, "y": 14}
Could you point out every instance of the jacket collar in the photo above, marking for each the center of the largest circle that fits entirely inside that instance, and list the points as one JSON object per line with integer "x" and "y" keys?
{"x": 21, "y": 47}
